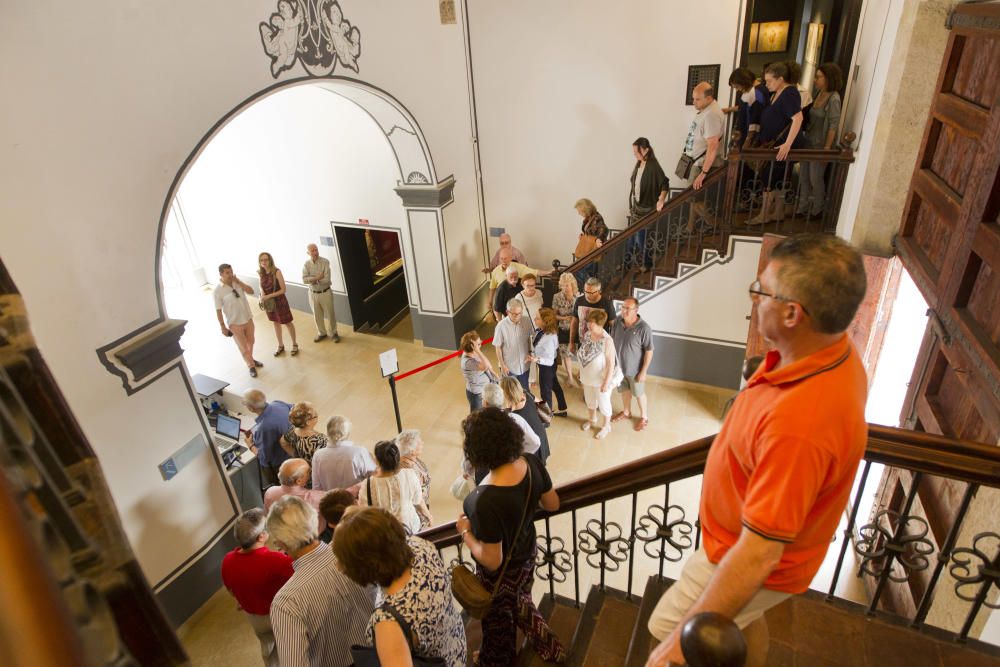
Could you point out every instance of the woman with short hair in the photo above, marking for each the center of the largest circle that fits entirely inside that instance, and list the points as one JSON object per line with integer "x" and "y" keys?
{"x": 564, "y": 303}
{"x": 476, "y": 367}
{"x": 498, "y": 523}
{"x": 334, "y": 503}
{"x": 372, "y": 547}
{"x": 302, "y": 439}
{"x": 395, "y": 489}
{"x": 274, "y": 302}
{"x": 598, "y": 365}
{"x": 411, "y": 446}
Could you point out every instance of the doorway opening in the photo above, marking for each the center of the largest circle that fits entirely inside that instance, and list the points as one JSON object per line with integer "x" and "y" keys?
{"x": 371, "y": 259}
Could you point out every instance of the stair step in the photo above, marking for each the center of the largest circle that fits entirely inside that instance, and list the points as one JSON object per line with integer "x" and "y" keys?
{"x": 602, "y": 636}
{"x": 563, "y": 617}
{"x": 642, "y": 643}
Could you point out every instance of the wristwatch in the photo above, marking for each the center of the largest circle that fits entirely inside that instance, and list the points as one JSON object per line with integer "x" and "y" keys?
{"x": 705, "y": 172}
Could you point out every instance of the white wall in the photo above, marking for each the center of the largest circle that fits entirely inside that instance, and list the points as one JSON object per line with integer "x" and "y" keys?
{"x": 564, "y": 87}
{"x": 278, "y": 173}
{"x": 705, "y": 303}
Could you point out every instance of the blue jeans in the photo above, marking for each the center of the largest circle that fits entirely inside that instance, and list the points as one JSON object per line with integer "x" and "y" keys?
{"x": 475, "y": 400}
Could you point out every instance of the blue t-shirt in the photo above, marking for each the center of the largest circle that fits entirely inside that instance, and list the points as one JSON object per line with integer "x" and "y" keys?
{"x": 778, "y": 114}
{"x": 272, "y": 423}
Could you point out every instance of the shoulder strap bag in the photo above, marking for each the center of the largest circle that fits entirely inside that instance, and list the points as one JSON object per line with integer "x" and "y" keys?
{"x": 467, "y": 588}
{"x": 686, "y": 164}
{"x": 367, "y": 656}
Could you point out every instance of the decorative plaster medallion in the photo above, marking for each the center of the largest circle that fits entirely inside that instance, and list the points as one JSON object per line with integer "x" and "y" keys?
{"x": 313, "y": 32}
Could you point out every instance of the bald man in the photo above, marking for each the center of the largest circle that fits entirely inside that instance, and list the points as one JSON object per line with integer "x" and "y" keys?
{"x": 506, "y": 242}
{"x": 705, "y": 135}
{"x": 293, "y": 477}
{"x": 499, "y": 274}
{"x": 265, "y": 441}
{"x": 316, "y": 274}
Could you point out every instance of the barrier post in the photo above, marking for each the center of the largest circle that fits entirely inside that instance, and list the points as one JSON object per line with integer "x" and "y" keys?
{"x": 395, "y": 402}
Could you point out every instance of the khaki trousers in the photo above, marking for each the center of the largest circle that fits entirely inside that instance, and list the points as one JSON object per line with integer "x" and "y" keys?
{"x": 322, "y": 307}
{"x": 243, "y": 336}
{"x": 265, "y": 635}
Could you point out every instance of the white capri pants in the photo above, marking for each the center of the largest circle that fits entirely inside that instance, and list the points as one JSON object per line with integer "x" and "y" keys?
{"x": 597, "y": 399}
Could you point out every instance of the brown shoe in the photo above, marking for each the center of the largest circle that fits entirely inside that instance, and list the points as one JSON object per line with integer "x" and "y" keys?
{"x": 620, "y": 416}
{"x": 641, "y": 424}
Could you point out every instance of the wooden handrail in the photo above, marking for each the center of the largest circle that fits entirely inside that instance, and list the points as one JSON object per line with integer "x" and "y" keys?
{"x": 962, "y": 460}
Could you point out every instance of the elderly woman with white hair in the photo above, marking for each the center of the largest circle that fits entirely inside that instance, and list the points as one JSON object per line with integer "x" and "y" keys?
{"x": 411, "y": 446}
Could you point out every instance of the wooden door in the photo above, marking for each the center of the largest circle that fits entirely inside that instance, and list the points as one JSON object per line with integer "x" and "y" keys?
{"x": 949, "y": 241}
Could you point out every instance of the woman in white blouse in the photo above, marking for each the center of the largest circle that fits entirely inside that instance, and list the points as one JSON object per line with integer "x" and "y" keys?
{"x": 546, "y": 355}
{"x": 394, "y": 489}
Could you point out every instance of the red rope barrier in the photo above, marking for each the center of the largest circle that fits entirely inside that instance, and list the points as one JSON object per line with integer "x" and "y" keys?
{"x": 443, "y": 359}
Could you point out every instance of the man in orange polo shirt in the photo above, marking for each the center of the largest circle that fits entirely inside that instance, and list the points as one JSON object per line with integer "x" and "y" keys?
{"x": 780, "y": 471}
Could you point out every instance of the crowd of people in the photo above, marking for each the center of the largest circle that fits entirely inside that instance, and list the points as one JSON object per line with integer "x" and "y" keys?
{"x": 333, "y": 570}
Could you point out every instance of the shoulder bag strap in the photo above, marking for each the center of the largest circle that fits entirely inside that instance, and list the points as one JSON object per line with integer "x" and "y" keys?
{"x": 403, "y": 625}
{"x": 517, "y": 535}
{"x": 368, "y": 483}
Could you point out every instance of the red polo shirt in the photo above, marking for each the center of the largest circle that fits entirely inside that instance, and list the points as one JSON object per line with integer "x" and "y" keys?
{"x": 784, "y": 462}
{"x": 255, "y": 577}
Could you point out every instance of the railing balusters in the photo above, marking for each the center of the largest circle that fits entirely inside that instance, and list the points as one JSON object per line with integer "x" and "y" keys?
{"x": 897, "y": 533}
{"x": 849, "y": 529}
{"x": 603, "y": 539}
{"x": 576, "y": 565}
{"x": 663, "y": 540}
{"x": 631, "y": 549}
{"x": 943, "y": 555}
{"x": 548, "y": 540}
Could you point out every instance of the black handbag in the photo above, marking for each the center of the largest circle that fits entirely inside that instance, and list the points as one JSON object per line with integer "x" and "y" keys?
{"x": 367, "y": 656}
{"x": 685, "y": 165}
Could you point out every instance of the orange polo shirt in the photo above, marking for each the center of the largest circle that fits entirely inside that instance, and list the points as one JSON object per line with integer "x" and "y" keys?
{"x": 784, "y": 462}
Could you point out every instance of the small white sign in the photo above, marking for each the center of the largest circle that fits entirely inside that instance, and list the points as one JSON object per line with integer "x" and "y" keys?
{"x": 389, "y": 363}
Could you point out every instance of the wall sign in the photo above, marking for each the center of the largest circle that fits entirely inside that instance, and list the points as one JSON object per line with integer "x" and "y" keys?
{"x": 313, "y": 32}
{"x": 699, "y": 73}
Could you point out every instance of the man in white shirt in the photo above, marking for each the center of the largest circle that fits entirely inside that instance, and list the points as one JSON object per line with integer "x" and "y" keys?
{"x": 231, "y": 300}
{"x": 316, "y": 274}
{"x": 512, "y": 340}
{"x": 704, "y": 139}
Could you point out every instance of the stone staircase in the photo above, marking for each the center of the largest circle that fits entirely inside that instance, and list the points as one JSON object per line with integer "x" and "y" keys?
{"x": 609, "y": 630}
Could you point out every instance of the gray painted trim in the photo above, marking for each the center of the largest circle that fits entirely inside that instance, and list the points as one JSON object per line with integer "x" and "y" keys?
{"x": 427, "y": 196}
{"x": 148, "y": 353}
{"x": 183, "y": 596}
{"x": 445, "y": 332}
{"x": 416, "y": 267}
{"x": 696, "y": 361}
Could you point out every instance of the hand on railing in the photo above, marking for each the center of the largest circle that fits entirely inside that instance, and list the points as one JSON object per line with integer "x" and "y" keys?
{"x": 712, "y": 640}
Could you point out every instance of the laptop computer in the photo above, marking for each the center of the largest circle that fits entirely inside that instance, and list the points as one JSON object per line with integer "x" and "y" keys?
{"x": 227, "y": 431}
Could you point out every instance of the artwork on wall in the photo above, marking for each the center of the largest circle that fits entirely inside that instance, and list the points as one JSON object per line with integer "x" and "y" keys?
{"x": 768, "y": 37}
{"x": 699, "y": 73}
{"x": 446, "y": 8}
{"x": 313, "y": 31}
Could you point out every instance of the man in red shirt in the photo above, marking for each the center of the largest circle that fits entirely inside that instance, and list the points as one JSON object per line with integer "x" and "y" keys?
{"x": 779, "y": 474}
{"x": 254, "y": 574}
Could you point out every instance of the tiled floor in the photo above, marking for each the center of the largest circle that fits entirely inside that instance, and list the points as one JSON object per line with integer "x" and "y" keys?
{"x": 345, "y": 379}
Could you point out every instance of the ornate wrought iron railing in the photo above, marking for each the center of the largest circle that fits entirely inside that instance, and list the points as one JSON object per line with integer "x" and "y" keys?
{"x": 733, "y": 199}
{"x": 612, "y": 524}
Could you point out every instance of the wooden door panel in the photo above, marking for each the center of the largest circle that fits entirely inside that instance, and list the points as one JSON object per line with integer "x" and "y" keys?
{"x": 972, "y": 73}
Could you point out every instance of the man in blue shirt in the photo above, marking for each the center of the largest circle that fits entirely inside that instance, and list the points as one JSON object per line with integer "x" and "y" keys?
{"x": 271, "y": 424}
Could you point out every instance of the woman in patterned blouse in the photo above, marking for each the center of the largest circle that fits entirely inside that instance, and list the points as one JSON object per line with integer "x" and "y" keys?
{"x": 302, "y": 440}
{"x": 372, "y": 548}
{"x": 563, "y": 303}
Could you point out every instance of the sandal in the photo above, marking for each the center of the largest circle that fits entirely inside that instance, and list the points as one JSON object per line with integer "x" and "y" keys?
{"x": 280, "y": 351}
{"x": 600, "y": 435}
{"x": 641, "y": 424}
{"x": 620, "y": 416}
{"x": 295, "y": 350}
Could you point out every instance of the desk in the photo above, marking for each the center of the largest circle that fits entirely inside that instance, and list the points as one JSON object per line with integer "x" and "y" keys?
{"x": 246, "y": 482}
{"x": 207, "y": 386}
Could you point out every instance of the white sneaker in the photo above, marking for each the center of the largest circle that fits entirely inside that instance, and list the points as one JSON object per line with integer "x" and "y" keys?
{"x": 587, "y": 425}
{"x": 602, "y": 433}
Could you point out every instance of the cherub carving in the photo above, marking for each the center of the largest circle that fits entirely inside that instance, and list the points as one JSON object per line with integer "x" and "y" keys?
{"x": 281, "y": 37}
{"x": 345, "y": 38}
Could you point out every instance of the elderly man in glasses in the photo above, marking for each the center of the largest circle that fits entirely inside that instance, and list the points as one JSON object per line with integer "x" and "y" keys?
{"x": 781, "y": 469}
{"x": 231, "y": 300}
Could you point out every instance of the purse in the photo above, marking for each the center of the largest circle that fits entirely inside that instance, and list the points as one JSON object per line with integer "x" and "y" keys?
{"x": 544, "y": 411}
{"x": 367, "y": 656}
{"x": 685, "y": 165}
{"x": 466, "y": 587}
{"x": 267, "y": 305}
{"x": 586, "y": 245}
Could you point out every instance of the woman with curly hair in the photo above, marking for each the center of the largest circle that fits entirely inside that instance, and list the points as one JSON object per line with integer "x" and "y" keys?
{"x": 515, "y": 487}
{"x": 302, "y": 439}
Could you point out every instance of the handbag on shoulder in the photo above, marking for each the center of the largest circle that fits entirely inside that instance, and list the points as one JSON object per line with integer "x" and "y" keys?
{"x": 466, "y": 587}
{"x": 586, "y": 245}
{"x": 685, "y": 165}
{"x": 267, "y": 305}
{"x": 367, "y": 656}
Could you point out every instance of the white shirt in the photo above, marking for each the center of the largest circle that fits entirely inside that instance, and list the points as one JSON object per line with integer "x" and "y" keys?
{"x": 546, "y": 349}
{"x": 232, "y": 301}
{"x": 397, "y": 495}
{"x": 514, "y": 341}
{"x": 311, "y": 269}
{"x": 532, "y": 443}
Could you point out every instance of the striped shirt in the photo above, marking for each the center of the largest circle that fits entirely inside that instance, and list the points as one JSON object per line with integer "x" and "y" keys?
{"x": 320, "y": 613}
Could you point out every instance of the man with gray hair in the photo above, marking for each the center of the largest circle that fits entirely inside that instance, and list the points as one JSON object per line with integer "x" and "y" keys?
{"x": 781, "y": 468}
{"x": 593, "y": 298}
{"x": 319, "y": 614}
{"x": 512, "y": 340}
{"x": 341, "y": 464}
{"x": 506, "y": 243}
{"x": 316, "y": 274}
{"x": 499, "y": 273}
{"x": 506, "y": 291}
{"x": 265, "y": 436}
{"x": 253, "y": 574}
{"x": 294, "y": 477}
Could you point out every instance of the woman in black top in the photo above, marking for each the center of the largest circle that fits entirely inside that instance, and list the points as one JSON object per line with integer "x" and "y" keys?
{"x": 521, "y": 403}
{"x": 489, "y": 528}
{"x": 648, "y": 191}
{"x": 780, "y": 123}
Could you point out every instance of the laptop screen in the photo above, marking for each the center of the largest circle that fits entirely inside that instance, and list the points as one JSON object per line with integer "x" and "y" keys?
{"x": 228, "y": 426}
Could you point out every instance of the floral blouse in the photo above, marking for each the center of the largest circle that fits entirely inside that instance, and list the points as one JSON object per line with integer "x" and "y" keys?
{"x": 594, "y": 226}
{"x": 563, "y": 305}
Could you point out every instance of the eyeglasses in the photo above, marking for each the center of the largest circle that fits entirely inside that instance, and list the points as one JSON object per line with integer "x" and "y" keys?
{"x": 754, "y": 289}
{"x": 237, "y": 294}
{"x": 596, "y": 291}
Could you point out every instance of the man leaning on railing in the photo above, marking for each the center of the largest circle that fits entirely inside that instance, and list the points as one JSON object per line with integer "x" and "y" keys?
{"x": 779, "y": 473}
